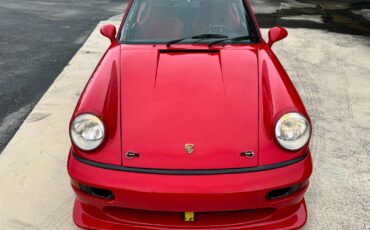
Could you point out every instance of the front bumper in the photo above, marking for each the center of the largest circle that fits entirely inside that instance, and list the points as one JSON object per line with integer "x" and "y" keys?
{"x": 152, "y": 201}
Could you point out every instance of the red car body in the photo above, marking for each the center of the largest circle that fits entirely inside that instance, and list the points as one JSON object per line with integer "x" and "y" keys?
{"x": 224, "y": 100}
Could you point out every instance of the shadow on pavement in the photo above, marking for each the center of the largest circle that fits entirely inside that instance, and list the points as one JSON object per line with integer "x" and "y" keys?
{"x": 343, "y": 16}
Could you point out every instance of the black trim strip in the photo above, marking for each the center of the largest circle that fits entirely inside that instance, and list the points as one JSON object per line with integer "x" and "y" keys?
{"x": 189, "y": 171}
{"x": 189, "y": 51}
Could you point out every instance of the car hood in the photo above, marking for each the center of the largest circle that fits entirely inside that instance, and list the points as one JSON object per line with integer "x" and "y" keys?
{"x": 183, "y": 109}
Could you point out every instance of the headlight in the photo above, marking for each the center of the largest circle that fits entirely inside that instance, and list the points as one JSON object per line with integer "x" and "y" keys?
{"x": 292, "y": 131}
{"x": 87, "y": 131}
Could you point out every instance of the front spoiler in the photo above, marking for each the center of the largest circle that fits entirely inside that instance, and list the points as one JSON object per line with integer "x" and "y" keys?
{"x": 293, "y": 217}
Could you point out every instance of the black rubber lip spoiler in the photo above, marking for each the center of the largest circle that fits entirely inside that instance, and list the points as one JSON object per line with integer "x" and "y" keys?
{"x": 189, "y": 171}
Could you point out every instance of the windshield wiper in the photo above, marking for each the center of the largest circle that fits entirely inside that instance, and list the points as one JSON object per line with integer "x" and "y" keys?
{"x": 200, "y": 36}
{"x": 235, "y": 39}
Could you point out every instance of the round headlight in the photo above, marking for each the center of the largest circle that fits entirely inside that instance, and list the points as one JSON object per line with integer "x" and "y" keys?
{"x": 87, "y": 131}
{"x": 292, "y": 131}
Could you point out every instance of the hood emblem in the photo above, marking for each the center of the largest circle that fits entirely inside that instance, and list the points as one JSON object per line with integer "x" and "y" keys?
{"x": 189, "y": 148}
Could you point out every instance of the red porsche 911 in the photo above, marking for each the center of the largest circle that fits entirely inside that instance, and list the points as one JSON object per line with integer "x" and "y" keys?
{"x": 189, "y": 121}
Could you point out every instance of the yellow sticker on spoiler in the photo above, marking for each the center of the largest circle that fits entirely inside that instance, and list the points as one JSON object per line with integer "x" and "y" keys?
{"x": 189, "y": 216}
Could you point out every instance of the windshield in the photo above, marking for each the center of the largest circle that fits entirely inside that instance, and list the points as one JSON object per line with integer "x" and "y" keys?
{"x": 160, "y": 21}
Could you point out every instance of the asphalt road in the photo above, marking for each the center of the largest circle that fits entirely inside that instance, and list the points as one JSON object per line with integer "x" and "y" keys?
{"x": 37, "y": 40}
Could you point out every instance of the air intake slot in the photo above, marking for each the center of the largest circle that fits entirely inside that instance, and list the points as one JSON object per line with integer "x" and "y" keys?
{"x": 102, "y": 193}
{"x": 278, "y": 193}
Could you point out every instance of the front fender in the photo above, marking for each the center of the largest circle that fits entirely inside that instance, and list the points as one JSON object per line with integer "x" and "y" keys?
{"x": 101, "y": 97}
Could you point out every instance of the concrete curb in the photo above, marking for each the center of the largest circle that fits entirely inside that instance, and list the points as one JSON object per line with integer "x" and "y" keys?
{"x": 34, "y": 186}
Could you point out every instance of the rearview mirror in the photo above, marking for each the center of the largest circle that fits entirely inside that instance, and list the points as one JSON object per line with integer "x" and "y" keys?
{"x": 109, "y": 31}
{"x": 276, "y": 34}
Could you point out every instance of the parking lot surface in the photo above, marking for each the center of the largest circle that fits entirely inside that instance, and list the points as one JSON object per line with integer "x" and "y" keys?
{"x": 38, "y": 38}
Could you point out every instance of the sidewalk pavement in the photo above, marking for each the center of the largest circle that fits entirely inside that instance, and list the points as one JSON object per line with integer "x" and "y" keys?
{"x": 34, "y": 185}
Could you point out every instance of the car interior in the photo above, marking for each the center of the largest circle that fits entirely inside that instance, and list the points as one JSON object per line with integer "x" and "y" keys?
{"x": 157, "y": 20}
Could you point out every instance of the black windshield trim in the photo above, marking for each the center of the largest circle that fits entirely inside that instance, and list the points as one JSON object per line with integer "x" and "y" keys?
{"x": 187, "y": 43}
{"x": 197, "y": 38}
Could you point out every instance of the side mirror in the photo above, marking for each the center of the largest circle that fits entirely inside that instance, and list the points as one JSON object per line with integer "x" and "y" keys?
{"x": 276, "y": 34}
{"x": 109, "y": 31}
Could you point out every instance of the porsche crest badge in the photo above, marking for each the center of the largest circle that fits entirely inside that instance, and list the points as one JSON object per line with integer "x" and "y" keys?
{"x": 189, "y": 148}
